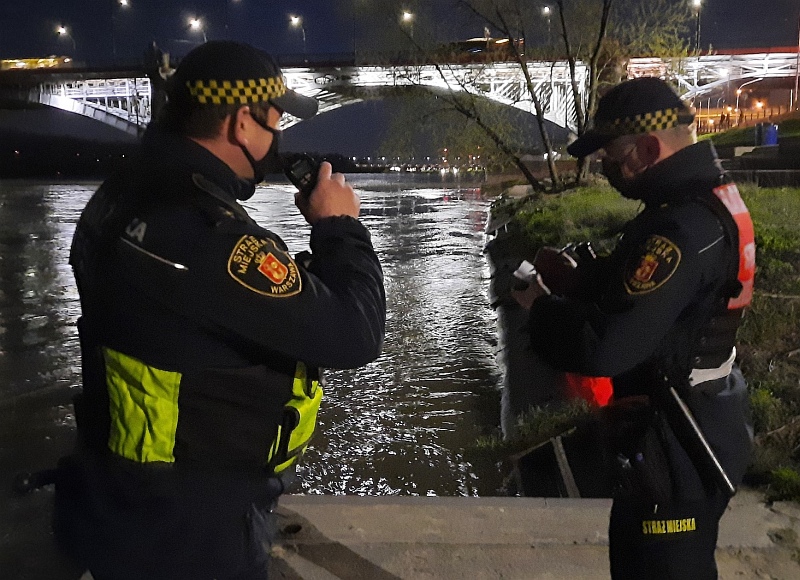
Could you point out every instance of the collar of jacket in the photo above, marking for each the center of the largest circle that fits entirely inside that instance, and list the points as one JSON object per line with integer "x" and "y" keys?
{"x": 163, "y": 148}
{"x": 680, "y": 175}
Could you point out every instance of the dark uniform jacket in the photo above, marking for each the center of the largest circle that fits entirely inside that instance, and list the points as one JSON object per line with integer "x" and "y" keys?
{"x": 201, "y": 339}
{"x": 657, "y": 307}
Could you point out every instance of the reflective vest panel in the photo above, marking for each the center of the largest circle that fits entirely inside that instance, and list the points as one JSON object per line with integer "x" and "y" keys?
{"x": 144, "y": 411}
{"x": 729, "y": 195}
{"x": 143, "y": 403}
{"x": 303, "y": 408}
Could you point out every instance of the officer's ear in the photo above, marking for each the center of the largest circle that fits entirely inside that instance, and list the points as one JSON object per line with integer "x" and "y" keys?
{"x": 648, "y": 149}
{"x": 237, "y": 126}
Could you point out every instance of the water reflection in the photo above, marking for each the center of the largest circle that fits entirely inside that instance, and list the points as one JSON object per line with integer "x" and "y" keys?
{"x": 38, "y": 299}
{"x": 396, "y": 426}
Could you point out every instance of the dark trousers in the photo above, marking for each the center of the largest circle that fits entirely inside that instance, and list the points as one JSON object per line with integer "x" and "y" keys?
{"x": 208, "y": 525}
{"x": 669, "y": 541}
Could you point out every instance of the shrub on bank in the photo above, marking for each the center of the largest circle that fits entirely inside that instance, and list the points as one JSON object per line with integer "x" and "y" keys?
{"x": 769, "y": 339}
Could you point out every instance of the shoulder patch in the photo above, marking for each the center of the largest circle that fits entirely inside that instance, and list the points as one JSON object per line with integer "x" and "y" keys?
{"x": 652, "y": 266}
{"x": 259, "y": 265}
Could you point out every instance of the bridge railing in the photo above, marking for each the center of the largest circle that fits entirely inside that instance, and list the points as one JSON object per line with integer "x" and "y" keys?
{"x": 90, "y": 93}
{"x": 338, "y": 79}
{"x": 100, "y": 88}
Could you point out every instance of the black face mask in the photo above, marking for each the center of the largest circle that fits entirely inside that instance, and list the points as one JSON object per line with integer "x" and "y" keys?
{"x": 613, "y": 172}
{"x": 271, "y": 162}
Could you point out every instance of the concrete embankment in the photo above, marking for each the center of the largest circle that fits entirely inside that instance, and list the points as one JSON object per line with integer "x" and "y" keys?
{"x": 381, "y": 538}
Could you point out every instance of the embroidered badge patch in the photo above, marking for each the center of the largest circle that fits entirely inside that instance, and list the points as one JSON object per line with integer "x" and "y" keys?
{"x": 259, "y": 265}
{"x": 652, "y": 266}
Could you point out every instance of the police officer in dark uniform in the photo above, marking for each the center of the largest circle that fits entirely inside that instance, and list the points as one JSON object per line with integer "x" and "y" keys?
{"x": 659, "y": 316}
{"x": 202, "y": 337}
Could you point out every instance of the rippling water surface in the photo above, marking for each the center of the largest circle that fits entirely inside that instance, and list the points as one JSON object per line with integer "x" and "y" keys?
{"x": 400, "y": 425}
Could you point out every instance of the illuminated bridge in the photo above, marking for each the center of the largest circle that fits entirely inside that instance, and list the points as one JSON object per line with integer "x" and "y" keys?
{"x": 716, "y": 73}
{"x": 124, "y": 98}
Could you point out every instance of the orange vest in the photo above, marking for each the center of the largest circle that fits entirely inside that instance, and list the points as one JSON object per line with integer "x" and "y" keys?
{"x": 728, "y": 194}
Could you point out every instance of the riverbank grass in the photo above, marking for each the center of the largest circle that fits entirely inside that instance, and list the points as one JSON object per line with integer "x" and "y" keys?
{"x": 768, "y": 342}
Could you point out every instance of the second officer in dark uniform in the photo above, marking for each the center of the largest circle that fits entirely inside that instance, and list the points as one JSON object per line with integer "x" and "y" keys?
{"x": 660, "y": 315}
{"x": 202, "y": 337}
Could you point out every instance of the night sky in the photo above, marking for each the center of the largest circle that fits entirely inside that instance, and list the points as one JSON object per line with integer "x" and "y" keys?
{"x": 27, "y": 27}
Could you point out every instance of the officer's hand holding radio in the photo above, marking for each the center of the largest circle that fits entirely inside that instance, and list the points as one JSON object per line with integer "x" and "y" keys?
{"x": 331, "y": 196}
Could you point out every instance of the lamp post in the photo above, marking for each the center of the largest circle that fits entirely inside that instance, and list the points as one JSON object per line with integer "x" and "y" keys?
{"x": 407, "y": 18}
{"x": 116, "y": 5}
{"x": 227, "y": 3}
{"x": 197, "y": 25}
{"x": 297, "y": 22}
{"x": 62, "y": 30}
{"x": 797, "y": 67}
{"x": 739, "y": 93}
{"x": 698, "y": 5}
{"x": 546, "y": 12}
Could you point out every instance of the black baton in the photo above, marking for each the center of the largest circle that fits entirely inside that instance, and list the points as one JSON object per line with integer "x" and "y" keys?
{"x": 695, "y": 444}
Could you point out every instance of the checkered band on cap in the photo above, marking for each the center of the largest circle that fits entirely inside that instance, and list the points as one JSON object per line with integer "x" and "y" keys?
{"x": 644, "y": 123}
{"x": 239, "y": 92}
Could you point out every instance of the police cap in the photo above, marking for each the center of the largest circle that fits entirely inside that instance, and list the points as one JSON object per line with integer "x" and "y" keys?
{"x": 639, "y": 105}
{"x": 233, "y": 73}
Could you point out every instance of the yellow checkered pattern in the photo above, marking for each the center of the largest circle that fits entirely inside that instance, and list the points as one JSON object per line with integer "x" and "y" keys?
{"x": 238, "y": 92}
{"x": 645, "y": 123}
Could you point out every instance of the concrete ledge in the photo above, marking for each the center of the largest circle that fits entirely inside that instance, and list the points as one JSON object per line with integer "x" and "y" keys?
{"x": 454, "y": 520}
{"x": 382, "y": 538}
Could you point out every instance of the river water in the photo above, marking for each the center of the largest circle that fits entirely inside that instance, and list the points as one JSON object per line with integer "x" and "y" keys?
{"x": 399, "y": 425}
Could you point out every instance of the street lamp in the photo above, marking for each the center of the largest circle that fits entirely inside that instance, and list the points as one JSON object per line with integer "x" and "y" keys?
{"x": 62, "y": 30}
{"x": 546, "y": 12}
{"x": 297, "y": 22}
{"x": 227, "y": 2}
{"x": 797, "y": 67}
{"x": 407, "y": 18}
{"x": 197, "y": 24}
{"x": 697, "y": 5}
{"x": 121, "y": 5}
{"x": 739, "y": 90}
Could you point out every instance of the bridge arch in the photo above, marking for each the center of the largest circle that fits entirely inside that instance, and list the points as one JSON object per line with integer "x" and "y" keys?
{"x": 124, "y": 98}
{"x": 502, "y": 83}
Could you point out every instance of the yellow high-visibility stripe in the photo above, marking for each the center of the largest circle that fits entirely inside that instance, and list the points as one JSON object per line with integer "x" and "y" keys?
{"x": 306, "y": 398}
{"x": 143, "y": 402}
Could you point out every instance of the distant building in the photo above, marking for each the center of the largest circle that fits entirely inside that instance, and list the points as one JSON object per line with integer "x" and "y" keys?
{"x": 481, "y": 50}
{"x": 31, "y": 63}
